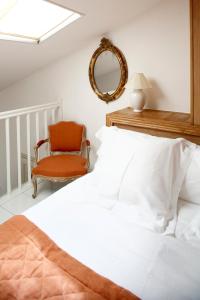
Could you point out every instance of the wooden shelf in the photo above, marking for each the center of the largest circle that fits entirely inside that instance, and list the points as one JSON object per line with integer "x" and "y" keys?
{"x": 156, "y": 122}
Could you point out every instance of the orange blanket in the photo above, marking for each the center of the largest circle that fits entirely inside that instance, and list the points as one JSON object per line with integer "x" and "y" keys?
{"x": 33, "y": 267}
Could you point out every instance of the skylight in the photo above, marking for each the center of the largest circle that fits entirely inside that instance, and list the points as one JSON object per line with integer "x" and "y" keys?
{"x": 32, "y": 20}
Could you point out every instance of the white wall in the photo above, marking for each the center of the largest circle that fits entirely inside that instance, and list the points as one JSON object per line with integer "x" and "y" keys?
{"x": 156, "y": 43}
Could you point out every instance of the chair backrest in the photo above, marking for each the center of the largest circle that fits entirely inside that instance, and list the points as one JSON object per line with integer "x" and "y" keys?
{"x": 66, "y": 136}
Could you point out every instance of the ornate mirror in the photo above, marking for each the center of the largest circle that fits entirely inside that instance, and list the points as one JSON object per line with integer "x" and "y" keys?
{"x": 108, "y": 71}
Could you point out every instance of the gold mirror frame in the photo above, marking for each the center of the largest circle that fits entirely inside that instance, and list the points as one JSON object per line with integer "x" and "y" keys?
{"x": 106, "y": 45}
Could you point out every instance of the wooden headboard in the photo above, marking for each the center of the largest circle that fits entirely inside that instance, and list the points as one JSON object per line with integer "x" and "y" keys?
{"x": 156, "y": 122}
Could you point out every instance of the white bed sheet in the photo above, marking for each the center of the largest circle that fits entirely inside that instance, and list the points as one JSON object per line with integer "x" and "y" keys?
{"x": 188, "y": 223}
{"x": 85, "y": 225}
{"x": 186, "y": 213}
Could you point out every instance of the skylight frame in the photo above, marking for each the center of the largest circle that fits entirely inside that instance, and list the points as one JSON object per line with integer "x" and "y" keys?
{"x": 75, "y": 15}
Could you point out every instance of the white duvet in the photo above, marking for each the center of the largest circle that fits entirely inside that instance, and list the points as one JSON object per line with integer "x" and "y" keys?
{"x": 90, "y": 228}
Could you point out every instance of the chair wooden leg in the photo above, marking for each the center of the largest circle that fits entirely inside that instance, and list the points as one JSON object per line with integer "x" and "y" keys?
{"x": 34, "y": 181}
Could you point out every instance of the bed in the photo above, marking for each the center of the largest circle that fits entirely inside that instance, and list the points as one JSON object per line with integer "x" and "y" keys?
{"x": 151, "y": 266}
{"x": 98, "y": 231}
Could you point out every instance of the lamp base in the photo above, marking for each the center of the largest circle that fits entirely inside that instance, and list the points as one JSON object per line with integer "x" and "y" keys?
{"x": 137, "y": 100}
{"x": 137, "y": 110}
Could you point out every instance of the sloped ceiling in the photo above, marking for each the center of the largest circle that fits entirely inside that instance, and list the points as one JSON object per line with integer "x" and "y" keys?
{"x": 18, "y": 60}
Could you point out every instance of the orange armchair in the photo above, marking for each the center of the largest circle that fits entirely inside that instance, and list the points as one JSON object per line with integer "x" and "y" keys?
{"x": 68, "y": 137}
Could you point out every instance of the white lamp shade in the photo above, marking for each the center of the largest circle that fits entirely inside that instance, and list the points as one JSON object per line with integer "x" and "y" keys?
{"x": 138, "y": 82}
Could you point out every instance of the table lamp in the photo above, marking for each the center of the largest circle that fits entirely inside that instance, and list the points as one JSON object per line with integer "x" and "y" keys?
{"x": 137, "y": 84}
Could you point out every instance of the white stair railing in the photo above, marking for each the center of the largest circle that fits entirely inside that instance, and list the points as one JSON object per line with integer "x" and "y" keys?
{"x": 41, "y": 116}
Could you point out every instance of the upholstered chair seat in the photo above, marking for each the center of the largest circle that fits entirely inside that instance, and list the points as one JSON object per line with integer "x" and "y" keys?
{"x": 69, "y": 154}
{"x": 54, "y": 166}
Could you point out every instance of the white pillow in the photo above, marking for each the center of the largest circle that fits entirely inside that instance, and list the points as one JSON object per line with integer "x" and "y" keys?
{"x": 190, "y": 190}
{"x": 153, "y": 179}
{"x": 135, "y": 134}
{"x": 114, "y": 155}
{"x": 102, "y": 132}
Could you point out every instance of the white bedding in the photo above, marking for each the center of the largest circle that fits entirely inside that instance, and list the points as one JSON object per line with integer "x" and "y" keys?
{"x": 86, "y": 225}
{"x": 188, "y": 223}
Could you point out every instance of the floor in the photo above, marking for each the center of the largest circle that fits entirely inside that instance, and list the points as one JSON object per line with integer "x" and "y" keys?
{"x": 20, "y": 203}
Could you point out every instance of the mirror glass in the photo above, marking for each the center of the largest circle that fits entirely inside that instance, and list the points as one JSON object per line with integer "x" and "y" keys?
{"x": 107, "y": 72}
